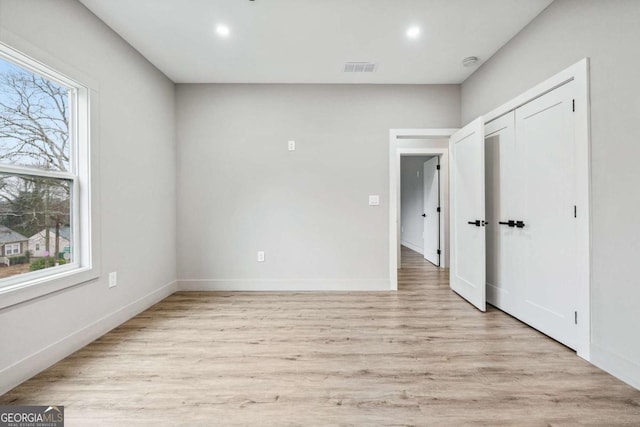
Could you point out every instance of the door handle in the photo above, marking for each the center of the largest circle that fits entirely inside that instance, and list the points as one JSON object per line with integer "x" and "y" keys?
{"x": 510, "y": 223}
{"x": 519, "y": 224}
{"x": 476, "y": 222}
{"x": 424, "y": 215}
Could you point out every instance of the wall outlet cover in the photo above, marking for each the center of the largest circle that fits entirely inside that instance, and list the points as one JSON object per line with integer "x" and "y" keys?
{"x": 113, "y": 279}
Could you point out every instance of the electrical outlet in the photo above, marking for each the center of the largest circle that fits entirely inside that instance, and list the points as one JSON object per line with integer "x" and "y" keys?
{"x": 374, "y": 200}
{"x": 260, "y": 256}
{"x": 292, "y": 146}
{"x": 113, "y": 279}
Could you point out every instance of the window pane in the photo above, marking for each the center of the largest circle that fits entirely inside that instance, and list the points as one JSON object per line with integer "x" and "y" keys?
{"x": 34, "y": 120}
{"x": 35, "y": 224}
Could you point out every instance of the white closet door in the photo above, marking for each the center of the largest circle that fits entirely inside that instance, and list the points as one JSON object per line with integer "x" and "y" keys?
{"x": 430, "y": 212}
{"x": 544, "y": 135}
{"x": 467, "y": 213}
{"x": 502, "y": 175}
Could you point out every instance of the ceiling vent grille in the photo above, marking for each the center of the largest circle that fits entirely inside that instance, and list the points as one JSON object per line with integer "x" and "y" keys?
{"x": 359, "y": 67}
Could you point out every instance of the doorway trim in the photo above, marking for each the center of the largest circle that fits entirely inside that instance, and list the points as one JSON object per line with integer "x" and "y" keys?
{"x": 395, "y": 153}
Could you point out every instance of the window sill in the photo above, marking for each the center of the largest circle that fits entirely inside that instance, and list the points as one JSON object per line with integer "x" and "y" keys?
{"x": 32, "y": 288}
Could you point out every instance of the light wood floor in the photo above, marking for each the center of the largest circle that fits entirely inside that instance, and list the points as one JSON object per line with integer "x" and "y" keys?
{"x": 421, "y": 356}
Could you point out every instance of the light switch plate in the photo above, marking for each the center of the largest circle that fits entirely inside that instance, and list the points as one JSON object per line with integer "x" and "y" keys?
{"x": 374, "y": 200}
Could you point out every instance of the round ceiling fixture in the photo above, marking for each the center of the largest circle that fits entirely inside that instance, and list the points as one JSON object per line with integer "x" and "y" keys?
{"x": 223, "y": 30}
{"x": 413, "y": 32}
{"x": 469, "y": 61}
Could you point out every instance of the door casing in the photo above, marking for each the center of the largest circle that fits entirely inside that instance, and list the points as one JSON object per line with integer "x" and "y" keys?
{"x": 396, "y": 136}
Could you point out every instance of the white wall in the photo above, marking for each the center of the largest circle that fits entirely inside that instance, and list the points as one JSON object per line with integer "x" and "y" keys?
{"x": 412, "y": 201}
{"x": 241, "y": 191}
{"x": 608, "y": 33}
{"x": 137, "y": 185}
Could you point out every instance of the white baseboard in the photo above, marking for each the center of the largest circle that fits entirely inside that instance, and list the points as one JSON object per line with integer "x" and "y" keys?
{"x": 31, "y": 365}
{"x": 284, "y": 285}
{"x": 621, "y": 368}
{"x": 412, "y": 247}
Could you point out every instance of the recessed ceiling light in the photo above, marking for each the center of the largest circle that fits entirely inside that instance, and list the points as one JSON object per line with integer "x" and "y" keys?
{"x": 413, "y": 32}
{"x": 223, "y": 30}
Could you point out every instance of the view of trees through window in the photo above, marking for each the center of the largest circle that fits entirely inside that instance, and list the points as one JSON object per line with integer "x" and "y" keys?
{"x": 35, "y": 208}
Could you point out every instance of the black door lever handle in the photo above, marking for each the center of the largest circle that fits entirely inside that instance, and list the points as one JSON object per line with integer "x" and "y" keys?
{"x": 510, "y": 223}
{"x": 424, "y": 215}
{"x": 476, "y": 222}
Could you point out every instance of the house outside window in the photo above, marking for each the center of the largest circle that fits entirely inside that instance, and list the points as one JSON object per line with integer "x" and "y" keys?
{"x": 12, "y": 249}
{"x": 45, "y": 179}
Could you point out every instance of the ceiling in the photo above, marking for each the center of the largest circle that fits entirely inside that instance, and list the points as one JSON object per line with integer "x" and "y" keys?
{"x": 308, "y": 41}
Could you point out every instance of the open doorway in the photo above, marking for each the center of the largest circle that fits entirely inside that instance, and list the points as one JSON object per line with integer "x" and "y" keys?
{"x": 420, "y": 206}
{"x": 405, "y": 143}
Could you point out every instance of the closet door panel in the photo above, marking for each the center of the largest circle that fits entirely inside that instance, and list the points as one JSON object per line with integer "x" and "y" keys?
{"x": 502, "y": 193}
{"x": 545, "y": 142}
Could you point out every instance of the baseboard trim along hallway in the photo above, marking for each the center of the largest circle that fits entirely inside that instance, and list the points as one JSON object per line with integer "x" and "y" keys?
{"x": 301, "y": 285}
{"x": 618, "y": 366}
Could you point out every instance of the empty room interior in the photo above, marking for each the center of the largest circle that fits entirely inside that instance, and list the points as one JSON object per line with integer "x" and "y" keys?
{"x": 310, "y": 212}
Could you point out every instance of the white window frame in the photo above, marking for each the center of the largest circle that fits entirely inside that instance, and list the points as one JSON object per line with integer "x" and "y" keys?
{"x": 11, "y": 249}
{"x": 85, "y": 264}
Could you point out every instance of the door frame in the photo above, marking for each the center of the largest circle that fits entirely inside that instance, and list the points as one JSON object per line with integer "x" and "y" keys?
{"x": 579, "y": 73}
{"x": 395, "y": 153}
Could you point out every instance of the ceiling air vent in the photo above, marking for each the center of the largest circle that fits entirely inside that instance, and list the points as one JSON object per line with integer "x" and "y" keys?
{"x": 359, "y": 67}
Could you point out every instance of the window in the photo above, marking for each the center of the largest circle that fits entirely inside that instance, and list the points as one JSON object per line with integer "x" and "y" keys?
{"x": 12, "y": 249}
{"x": 45, "y": 181}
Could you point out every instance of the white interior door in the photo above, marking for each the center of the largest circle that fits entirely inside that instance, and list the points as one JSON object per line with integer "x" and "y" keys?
{"x": 544, "y": 134}
{"x": 502, "y": 175}
{"x": 468, "y": 213}
{"x": 430, "y": 213}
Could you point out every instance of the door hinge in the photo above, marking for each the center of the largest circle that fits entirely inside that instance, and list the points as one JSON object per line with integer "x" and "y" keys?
{"x": 575, "y": 317}
{"x": 438, "y": 251}
{"x": 575, "y": 211}
{"x": 438, "y": 209}
{"x": 438, "y": 167}
{"x": 573, "y": 105}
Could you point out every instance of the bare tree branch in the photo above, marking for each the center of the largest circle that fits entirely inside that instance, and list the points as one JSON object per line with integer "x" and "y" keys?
{"x": 34, "y": 131}
{"x": 33, "y": 120}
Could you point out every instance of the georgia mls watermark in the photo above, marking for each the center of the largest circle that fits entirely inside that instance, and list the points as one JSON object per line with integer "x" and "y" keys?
{"x": 31, "y": 416}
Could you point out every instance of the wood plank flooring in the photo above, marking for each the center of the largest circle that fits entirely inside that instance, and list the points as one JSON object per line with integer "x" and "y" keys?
{"x": 421, "y": 356}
